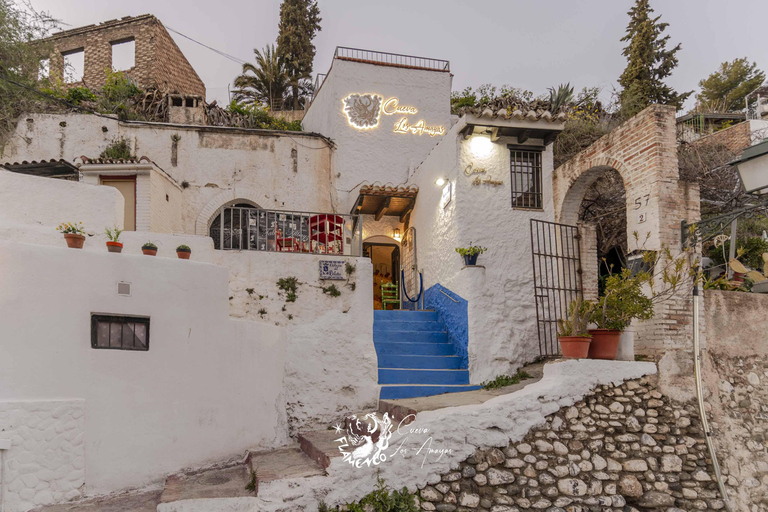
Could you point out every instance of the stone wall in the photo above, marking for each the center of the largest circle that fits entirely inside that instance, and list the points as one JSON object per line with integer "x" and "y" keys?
{"x": 157, "y": 58}
{"x": 620, "y": 448}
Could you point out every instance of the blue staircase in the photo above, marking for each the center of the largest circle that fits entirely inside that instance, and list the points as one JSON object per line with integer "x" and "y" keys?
{"x": 415, "y": 356}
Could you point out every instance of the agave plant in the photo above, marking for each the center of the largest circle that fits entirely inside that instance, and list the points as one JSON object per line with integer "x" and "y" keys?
{"x": 560, "y": 97}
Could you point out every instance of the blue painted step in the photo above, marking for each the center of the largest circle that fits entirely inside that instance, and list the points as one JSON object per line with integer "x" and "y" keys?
{"x": 403, "y": 315}
{"x": 409, "y": 337}
{"x": 394, "y": 392}
{"x": 421, "y": 376}
{"x": 394, "y": 325}
{"x": 414, "y": 349}
{"x": 427, "y": 362}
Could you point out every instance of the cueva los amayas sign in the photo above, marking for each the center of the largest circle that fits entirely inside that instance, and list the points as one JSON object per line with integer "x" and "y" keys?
{"x": 364, "y": 112}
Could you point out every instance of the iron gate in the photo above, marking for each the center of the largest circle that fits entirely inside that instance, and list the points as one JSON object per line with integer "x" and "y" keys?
{"x": 409, "y": 264}
{"x": 556, "y": 253}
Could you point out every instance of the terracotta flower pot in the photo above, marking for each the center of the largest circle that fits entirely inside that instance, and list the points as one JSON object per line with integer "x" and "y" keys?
{"x": 74, "y": 241}
{"x": 149, "y": 252}
{"x": 738, "y": 277}
{"x": 605, "y": 343}
{"x": 114, "y": 246}
{"x": 183, "y": 255}
{"x": 575, "y": 347}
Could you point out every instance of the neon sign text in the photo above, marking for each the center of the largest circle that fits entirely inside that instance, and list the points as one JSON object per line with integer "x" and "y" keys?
{"x": 420, "y": 128}
{"x": 391, "y": 107}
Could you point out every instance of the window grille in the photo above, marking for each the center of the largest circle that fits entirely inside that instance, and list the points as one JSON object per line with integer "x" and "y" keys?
{"x": 120, "y": 332}
{"x": 525, "y": 170}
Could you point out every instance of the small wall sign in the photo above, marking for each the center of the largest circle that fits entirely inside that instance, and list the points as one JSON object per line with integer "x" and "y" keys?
{"x": 641, "y": 217}
{"x": 447, "y": 194}
{"x": 331, "y": 269}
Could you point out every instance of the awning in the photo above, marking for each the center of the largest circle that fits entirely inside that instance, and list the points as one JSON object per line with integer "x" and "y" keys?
{"x": 380, "y": 200}
{"x": 60, "y": 169}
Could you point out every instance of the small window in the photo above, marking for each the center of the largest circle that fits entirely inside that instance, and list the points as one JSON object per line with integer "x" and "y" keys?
{"x": 123, "y": 55}
{"x": 189, "y": 102}
{"x": 525, "y": 170}
{"x": 177, "y": 102}
{"x": 74, "y": 66}
{"x": 44, "y": 71}
{"x": 120, "y": 332}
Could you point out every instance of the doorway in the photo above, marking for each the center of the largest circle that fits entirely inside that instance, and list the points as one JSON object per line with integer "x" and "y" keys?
{"x": 127, "y": 187}
{"x": 385, "y": 258}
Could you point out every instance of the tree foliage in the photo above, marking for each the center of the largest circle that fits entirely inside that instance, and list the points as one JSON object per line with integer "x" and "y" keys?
{"x": 265, "y": 82}
{"x": 725, "y": 89}
{"x": 299, "y": 23}
{"x": 649, "y": 62}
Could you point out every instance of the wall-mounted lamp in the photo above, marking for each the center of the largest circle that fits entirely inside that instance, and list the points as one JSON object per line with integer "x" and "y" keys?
{"x": 441, "y": 181}
{"x": 481, "y": 146}
{"x": 396, "y": 234}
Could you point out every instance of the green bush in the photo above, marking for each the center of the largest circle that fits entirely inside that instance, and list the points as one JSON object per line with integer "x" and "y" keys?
{"x": 503, "y": 381}
{"x": 118, "y": 149}
{"x": 623, "y": 301}
{"x": 749, "y": 252}
{"x": 381, "y": 500}
{"x": 77, "y": 95}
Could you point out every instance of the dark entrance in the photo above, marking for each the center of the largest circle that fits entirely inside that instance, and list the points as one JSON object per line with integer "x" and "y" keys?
{"x": 557, "y": 272}
{"x": 386, "y": 267}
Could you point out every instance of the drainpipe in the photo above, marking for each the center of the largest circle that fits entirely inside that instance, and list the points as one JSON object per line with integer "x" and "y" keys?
{"x": 5, "y": 444}
{"x": 700, "y": 394}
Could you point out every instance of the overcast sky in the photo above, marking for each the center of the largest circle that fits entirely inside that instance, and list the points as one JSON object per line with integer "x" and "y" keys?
{"x": 526, "y": 44}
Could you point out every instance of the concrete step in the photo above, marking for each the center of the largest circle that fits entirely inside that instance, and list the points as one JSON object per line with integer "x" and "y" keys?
{"x": 321, "y": 445}
{"x": 404, "y": 325}
{"x": 421, "y": 376}
{"x": 427, "y": 362}
{"x": 402, "y": 336}
{"x": 223, "y": 482}
{"x": 404, "y": 315}
{"x": 289, "y": 462}
{"x": 393, "y": 391}
{"x": 414, "y": 349}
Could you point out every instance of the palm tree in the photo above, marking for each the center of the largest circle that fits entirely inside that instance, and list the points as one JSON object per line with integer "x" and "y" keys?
{"x": 264, "y": 83}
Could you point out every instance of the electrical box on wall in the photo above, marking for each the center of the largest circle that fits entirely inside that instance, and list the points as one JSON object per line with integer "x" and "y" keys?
{"x": 124, "y": 288}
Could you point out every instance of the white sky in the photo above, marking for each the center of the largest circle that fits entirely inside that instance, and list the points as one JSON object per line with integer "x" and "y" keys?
{"x": 533, "y": 45}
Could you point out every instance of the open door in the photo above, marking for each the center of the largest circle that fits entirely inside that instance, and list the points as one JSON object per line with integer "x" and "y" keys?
{"x": 127, "y": 187}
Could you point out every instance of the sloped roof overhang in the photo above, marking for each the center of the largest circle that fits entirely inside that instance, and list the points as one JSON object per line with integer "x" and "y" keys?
{"x": 389, "y": 200}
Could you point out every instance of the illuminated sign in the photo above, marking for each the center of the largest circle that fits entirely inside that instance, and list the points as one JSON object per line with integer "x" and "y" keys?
{"x": 364, "y": 111}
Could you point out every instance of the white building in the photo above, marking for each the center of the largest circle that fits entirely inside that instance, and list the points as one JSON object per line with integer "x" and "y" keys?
{"x": 236, "y": 361}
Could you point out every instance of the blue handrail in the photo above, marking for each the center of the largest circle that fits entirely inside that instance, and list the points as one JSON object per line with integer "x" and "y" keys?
{"x": 421, "y": 286}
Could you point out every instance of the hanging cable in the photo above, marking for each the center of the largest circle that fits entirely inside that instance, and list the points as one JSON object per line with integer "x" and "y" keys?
{"x": 223, "y": 54}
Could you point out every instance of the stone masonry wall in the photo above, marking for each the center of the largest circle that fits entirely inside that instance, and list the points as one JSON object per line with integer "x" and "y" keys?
{"x": 157, "y": 58}
{"x": 624, "y": 448}
{"x": 46, "y": 461}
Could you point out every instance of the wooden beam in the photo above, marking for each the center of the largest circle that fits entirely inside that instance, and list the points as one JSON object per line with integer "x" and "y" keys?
{"x": 468, "y": 131}
{"x": 494, "y": 134}
{"x": 523, "y": 136}
{"x": 550, "y": 137}
{"x": 357, "y": 206}
{"x": 407, "y": 209}
{"x": 383, "y": 208}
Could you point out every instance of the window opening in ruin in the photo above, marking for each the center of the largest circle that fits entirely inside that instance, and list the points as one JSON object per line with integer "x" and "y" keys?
{"x": 44, "y": 71}
{"x": 123, "y": 55}
{"x": 74, "y": 66}
{"x": 177, "y": 102}
{"x": 190, "y": 102}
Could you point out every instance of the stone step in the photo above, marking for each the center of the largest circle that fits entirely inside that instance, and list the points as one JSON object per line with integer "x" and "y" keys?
{"x": 321, "y": 445}
{"x": 219, "y": 483}
{"x": 289, "y": 462}
{"x": 394, "y": 391}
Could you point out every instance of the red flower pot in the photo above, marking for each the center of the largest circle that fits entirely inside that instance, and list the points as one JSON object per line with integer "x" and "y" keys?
{"x": 114, "y": 246}
{"x": 183, "y": 255}
{"x": 574, "y": 347}
{"x": 605, "y": 343}
{"x": 74, "y": 241}
{"x": 149, "y": 252}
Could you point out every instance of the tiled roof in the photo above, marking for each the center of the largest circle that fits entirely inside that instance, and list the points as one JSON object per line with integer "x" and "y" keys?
{"x": 52, "y": 161}
{"x": 377, "y": 189}
{"x": 528, "y": 115}
{"x": 109, "y": 161}
{"x": 517, "y": 109}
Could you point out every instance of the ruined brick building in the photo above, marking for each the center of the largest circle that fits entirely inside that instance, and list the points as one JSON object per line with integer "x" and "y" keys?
{"x": 139, "y": 45}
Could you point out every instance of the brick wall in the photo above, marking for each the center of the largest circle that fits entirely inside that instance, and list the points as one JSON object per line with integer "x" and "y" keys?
{"x": 735, "y": 138}
{"x": 157, "y": 58}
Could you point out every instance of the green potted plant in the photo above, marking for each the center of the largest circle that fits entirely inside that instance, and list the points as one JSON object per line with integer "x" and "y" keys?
{"x": 471, "y": 253}
{"x": 622, "y": 302}
{"x": 73, "y": 233}
{"x": 114, "y": 244}
{"x": 572, "y": 330}
{"x": 183, "y": 252}
{"x": 149, "y": 249}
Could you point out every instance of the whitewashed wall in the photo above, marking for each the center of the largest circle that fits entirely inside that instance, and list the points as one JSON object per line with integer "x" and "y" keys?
{"x": 501, "y": 310}
{"x": 378, "y": 154}
{"x": 218, "y": 164}
{"x": 208, "y": 388}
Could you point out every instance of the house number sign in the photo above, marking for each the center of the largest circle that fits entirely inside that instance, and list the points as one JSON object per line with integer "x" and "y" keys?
{"x": 331, "y": 269}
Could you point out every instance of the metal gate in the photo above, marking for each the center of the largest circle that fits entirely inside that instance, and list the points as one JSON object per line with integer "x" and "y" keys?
{"x": 409, "y": 264}
{"x": 556, "y": 252}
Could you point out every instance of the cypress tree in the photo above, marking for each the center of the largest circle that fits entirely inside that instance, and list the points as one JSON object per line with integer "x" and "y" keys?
{"x": 649, "y": 62}
{"x": 299, "y": 23}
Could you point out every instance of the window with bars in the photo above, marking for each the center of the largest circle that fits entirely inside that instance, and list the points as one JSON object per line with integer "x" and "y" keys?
{"x": 120, "y": 332}
{"x": 525, "y": 171}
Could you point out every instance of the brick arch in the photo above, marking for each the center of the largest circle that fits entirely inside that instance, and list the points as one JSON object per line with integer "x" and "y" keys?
{"x": 211, "y": 208}
{"x": 567, "y": 211}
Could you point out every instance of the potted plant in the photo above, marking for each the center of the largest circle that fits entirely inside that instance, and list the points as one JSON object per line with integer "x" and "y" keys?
{"x": 471, "y": 253}
{"x": 572, "y": 330}
{"x": 183, "y": 252}
{"x": 113, "y": 244}
{"x": 73, "y": 233}
{"x": 622, "y": 302}
{"x": 149, "y": 249}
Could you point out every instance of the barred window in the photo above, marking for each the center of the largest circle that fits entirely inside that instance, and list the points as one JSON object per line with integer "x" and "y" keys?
{"x": 525, "y": 170}
{"x": 120, "y": 332}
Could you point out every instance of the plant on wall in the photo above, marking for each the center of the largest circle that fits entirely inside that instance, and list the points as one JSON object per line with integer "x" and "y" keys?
{"x": 382, "y": 499}
{"x": 289, "y": 286}
{"x": 331, "y": 290}
{"x": 118, "y": 149}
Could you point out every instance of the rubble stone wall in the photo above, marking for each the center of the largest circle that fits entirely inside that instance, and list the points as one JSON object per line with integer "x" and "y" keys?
{"x": 621, "y": 448}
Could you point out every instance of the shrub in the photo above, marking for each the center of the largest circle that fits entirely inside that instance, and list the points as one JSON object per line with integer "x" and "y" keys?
{"x": 383, "y": 499}
{"x": 749, "y": 252}
{"x": 506, "y": 380}
{"x": 77, "y": 95}
{"x": 289, "y": 285}
{"x": 118, "y": 149}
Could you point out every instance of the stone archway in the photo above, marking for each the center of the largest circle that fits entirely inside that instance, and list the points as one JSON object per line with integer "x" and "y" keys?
{"x": 643, "y": 151}
{"x": 211, "y": 208}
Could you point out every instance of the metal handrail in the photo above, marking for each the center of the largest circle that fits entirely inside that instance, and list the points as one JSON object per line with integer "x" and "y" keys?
{"x": 454, "y": 300}
{"x": 391, "y": 59}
